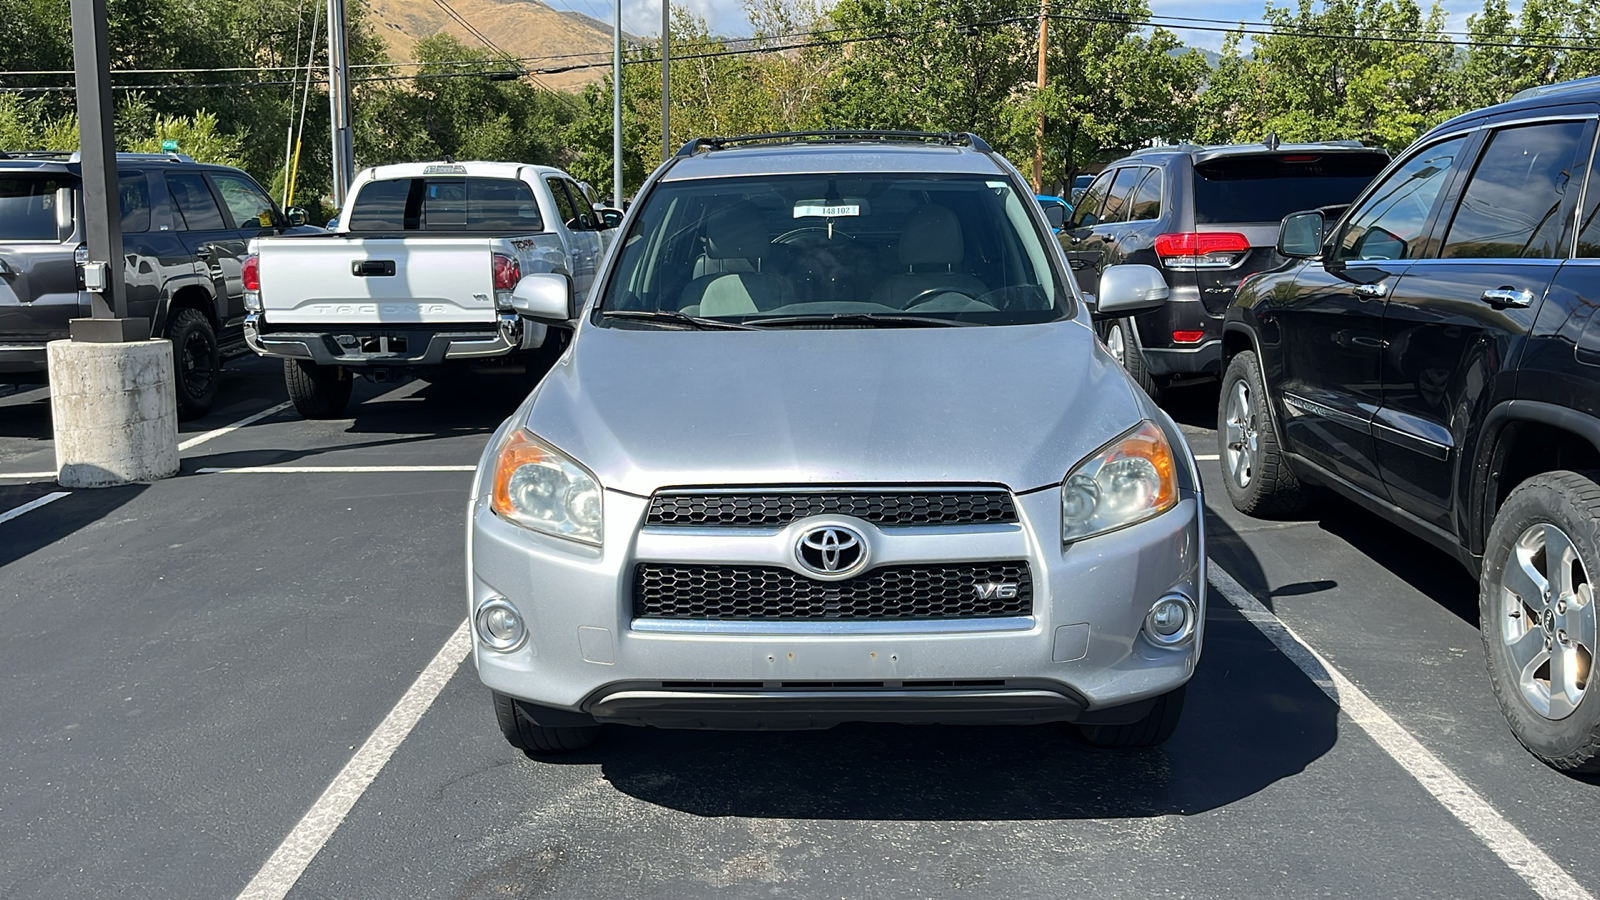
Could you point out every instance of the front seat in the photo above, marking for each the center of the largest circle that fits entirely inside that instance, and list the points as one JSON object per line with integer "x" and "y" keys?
{"x": 740, "y": 246}
{"x": 930, "y": 249}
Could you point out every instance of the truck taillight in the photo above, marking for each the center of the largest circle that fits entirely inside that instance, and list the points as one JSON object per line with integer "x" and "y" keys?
{"x": 507, "y": 272}
{"x": 252, "y": 273}
{"x": 1201, "y": 250}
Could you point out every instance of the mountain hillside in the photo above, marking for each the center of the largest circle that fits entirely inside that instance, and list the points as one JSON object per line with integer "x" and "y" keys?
{"x": 523, "y": 28}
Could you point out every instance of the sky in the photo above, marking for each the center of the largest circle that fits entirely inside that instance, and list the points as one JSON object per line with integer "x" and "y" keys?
{"x": 643, "y": 17}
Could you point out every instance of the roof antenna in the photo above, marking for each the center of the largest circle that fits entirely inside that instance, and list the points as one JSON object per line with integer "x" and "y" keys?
{"x": 1272, "y": 140}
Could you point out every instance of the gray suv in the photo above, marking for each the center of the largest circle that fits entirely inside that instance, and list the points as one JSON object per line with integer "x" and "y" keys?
{"x": 835, "y": 441}
{"x": 185, "y": 226}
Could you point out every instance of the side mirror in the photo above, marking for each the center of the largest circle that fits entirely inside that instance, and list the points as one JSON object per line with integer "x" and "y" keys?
{"x": 294, "y": 216}
{"x": 1300, "y": 235}
{"x": 545, "y": 297}
{"x": 1129, "y": 289}
{"x": 610, "y": 218}
{"x": 1056, "y": 215}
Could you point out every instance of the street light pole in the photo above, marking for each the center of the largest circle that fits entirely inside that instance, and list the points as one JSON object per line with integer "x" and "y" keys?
{"x": 1038, "y": 146}
{"x": 616, "y": 111}
{"x": 666, "y": 79}
{"x": 339, "y": 104}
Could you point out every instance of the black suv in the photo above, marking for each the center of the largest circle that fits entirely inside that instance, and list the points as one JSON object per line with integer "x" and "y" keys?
{"x": 1206, "y": 217}
{"x": 1434, "y": 354}
{"x": 184, "y": 230}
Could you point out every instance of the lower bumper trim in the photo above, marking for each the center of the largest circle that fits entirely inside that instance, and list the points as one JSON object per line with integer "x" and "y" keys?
{"x": 796, "y": 710}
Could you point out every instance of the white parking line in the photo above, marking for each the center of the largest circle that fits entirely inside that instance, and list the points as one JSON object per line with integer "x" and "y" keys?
{"x": 1206, "y": 457}
{"x": 228, "y": 429}
{"x": 289, "y": 861}
{"x": 29, "y": 476}
{"x": 1504, "y": 839}
{"x": 315, "y": 470}
{"x": 32, "y": 505}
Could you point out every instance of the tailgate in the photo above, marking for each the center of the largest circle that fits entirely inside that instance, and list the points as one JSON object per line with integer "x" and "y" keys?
{"x": 372, "y": 281}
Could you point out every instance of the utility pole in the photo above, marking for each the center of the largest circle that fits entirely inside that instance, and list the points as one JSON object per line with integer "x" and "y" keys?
{"x": 339, "y": 104}
{"x": 666, "y": 79}
{"x": 97, "y": 150}
{"x": 1038, "y": 145}
{"x": 616, "y": 112}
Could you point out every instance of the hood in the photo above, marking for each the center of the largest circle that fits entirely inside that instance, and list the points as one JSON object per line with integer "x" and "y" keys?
{"x": 1014, "y": 405}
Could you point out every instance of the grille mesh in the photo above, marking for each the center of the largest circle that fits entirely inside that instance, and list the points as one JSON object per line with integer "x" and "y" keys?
{"x": 778, "y": 508}
{"x": 947, "y": 591}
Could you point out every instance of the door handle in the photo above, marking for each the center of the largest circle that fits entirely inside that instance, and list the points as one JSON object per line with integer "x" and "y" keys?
{"x": 1507, "y": 297}
{"x": 204, "y": 252}
{"x": 1370, "y": 291}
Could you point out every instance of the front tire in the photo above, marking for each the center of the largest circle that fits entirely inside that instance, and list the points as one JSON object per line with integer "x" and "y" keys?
{"x": 1536, "y": 603}
{"x": 1121, "y": 338}
{"x": 526, "y": 735}
{"x": 1155, "y": 728}
{"x": 196, "y": 365}
{"x": 318, "y": 392}
{"x": 1253, "y": 466}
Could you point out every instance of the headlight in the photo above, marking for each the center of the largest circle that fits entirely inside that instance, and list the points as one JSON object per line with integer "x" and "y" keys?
{"x": 1129, "y": 480}
{"x": 539, "y": 487}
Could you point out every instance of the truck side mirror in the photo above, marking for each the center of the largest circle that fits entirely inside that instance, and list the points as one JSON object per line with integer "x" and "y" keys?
{"x": 1128, "y": 289}
{"x": 1300, "y": 235}
{"x": 545, "y": 297}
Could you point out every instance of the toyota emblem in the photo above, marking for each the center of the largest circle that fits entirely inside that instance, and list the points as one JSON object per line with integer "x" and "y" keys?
{"x": 831, "y": 550}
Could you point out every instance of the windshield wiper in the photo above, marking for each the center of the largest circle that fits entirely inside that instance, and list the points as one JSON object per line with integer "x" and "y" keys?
{"x": 873, "y": 320}
{"x": 674, "y": 317}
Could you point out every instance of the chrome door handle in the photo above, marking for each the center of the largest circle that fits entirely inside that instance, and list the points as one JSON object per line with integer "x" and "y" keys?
{"x": 1370, "y": 291}
{"x": 1506, "y": 296}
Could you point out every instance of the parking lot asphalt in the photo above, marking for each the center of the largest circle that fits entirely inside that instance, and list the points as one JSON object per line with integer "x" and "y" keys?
{"x": 187, "y": 665}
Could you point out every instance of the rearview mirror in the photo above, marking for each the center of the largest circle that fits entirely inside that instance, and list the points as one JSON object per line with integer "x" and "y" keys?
{"x": 545, "y": 297}
{"x": 1129, "y": 289}
{"x": 1300, "y": 235}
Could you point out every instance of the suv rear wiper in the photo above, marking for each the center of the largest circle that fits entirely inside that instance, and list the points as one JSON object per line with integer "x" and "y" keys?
{"x": 675, "y": 317}
{"x": 869, "y": 319}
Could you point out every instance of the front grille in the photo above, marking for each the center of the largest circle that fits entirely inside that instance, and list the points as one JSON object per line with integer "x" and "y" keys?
{"x": 949, "y": 591}
{"x": 778, "y": 508}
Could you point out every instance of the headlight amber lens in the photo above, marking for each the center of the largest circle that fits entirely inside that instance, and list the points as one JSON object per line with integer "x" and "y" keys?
{"x": 1129, "y": 480}
{"x": 539, "y": 487}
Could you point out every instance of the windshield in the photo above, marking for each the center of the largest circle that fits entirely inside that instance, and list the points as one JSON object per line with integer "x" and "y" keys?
{"x": 854, "y": 249}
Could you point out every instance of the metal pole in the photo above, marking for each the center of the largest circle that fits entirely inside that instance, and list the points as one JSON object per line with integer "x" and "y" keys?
{"x": 666, "y": 78}
{"x": 1038, "y": 146}
{"x": 339, "y": 103}
{"x": 97, "y": 151}
{"x": 616, "y": 111}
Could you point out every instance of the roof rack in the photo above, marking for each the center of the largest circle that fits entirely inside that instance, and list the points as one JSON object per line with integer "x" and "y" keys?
{"x": 1560, "y": 87}
{"x": 952, "y": 138}
{"x": 35, "y": 154}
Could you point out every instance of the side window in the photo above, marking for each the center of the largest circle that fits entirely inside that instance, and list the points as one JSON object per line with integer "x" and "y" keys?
{"x": 587, "y": 220}
{"x": 249, "y": 207}
{"x": 1116, "y": 209}
{"x": 1511, "y": 206}
{"x": 564, "y": 209}
{"x": 195, "y": 203}
{"x": 1589, "y": 224}
{"x": 1088, "y": 211}
{"x": 1390, "y": 223}
{"x": 134, "y": 193}
{"x": 1146, "y": 203}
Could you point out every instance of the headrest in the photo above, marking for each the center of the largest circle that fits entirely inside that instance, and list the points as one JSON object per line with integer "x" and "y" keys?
{"x": 738, "y": 232}
{"x": 931, "y": 235}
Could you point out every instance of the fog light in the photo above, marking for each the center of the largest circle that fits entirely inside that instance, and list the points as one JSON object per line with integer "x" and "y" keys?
{"x": 1171, "y": 620}
{"x": 499, "y": 626}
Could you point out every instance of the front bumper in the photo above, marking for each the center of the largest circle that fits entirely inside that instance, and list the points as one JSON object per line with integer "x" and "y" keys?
{"x": 1080, "y": 656}
{"x": 370, "y": 345}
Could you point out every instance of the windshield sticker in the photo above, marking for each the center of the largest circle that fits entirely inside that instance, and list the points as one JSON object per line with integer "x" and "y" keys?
{"x": 806, "y": 210}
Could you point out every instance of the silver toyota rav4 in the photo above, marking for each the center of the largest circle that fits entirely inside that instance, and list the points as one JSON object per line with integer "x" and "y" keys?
{"x": 835, "y": 442}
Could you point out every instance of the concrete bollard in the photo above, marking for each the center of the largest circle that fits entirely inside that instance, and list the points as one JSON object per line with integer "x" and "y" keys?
{"x": 116, "y": 416}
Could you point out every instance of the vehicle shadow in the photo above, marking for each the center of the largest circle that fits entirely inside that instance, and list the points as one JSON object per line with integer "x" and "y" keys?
{"x": 1192, "y": 404}
{"x": 25, "y": 413}
{"x": 1427, "y": 569}
{"x": 1251, "y": 719}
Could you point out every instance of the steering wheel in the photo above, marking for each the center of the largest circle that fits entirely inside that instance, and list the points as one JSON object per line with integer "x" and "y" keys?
{"x": 805, "y": 231}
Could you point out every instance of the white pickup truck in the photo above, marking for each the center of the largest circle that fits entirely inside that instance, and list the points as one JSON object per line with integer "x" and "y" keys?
{"x": 419, "y": 277}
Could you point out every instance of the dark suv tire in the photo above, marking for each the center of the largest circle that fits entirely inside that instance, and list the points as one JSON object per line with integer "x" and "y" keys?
{"x": 318, "y": 392}
{"x": 1155, "y": 728}
{"x": 530, "y": 737}
{"x": 1257, "y": 476}
{"x": 1536, "y": 604}
{"x": 1121, "y": 337}
{"x": 196, "y": 365}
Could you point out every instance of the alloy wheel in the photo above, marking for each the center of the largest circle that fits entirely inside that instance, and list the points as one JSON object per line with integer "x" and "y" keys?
{"x": 1116, "y": 343}
{"x": 1548, "y": 620}
{"x": 1242, "y": 436}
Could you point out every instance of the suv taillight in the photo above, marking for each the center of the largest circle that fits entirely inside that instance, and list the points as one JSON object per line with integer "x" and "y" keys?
{"x": 1202, "y": 250}
{"x": 252, "y": 273}
{"x": 507, "y": 272}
